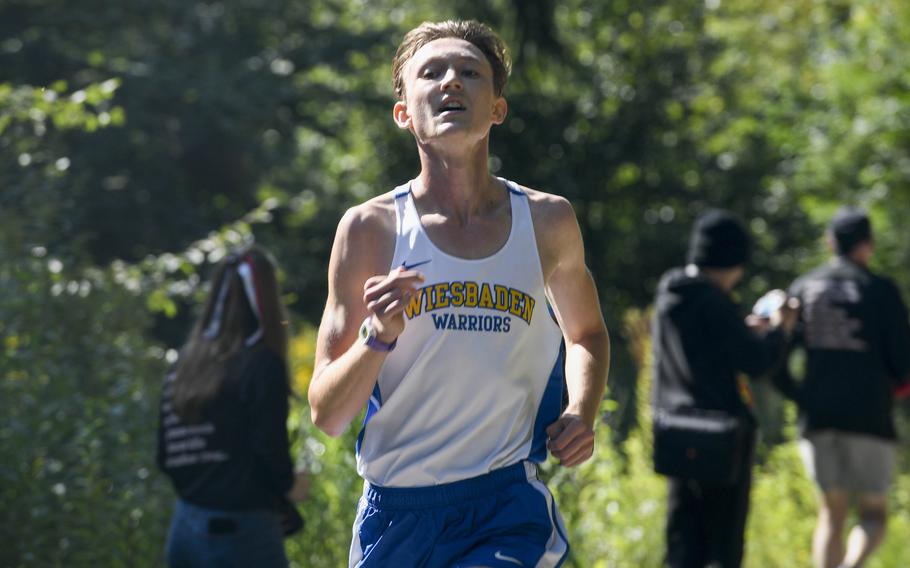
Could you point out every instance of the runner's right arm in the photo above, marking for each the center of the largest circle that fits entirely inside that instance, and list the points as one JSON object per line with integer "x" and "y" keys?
{"x": 360, "y": 285}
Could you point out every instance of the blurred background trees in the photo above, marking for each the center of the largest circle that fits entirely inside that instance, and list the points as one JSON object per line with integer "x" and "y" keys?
{"x": 139, "y": 141}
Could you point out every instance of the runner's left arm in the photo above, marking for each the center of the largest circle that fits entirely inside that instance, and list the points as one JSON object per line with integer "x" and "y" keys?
{"x": 573, "y": 293}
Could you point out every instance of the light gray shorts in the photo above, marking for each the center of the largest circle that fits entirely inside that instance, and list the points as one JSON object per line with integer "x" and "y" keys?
{"x": 850, "y": 462}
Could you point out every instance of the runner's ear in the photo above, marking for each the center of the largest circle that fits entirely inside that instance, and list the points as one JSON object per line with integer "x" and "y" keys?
{"x": 401, "y": 115}
{"x": 500, "y": 110}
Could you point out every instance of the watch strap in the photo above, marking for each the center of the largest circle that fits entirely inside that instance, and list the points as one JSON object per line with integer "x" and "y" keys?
{"x": 377, "y": 344}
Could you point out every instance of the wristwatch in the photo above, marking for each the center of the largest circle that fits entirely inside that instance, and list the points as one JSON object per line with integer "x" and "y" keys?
{"x": 368, "y": 337}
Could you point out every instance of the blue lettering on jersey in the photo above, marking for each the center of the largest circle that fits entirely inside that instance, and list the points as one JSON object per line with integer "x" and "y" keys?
{"x": 462, "y": 322}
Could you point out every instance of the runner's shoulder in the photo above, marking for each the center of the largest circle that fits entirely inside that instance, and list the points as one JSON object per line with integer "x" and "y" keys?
{"x": 372, "y": 219}
{"x": 549, "y": 210}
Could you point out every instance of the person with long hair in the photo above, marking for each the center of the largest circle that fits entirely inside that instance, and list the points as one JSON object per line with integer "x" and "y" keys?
{"x": 222, "y": 436}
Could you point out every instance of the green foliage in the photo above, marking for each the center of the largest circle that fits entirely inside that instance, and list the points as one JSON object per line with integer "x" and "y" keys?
{"x": 78, "y": 377}
{"x": 35, "y": 159}
{"x": 782, "y": 513}
{"x": 784, "y": 510}
{"x": 613, "y": 506}
{"x": 335, "y": 491}
{"x": 139, "y": 143}
{"x": 78, "y": 396}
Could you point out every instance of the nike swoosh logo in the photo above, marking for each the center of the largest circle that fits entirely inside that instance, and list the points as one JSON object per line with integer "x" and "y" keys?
{"x": 407, "y": 266}
{"x": 500, "y": 556}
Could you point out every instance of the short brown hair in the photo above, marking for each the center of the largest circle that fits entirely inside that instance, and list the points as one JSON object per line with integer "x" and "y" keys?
{"x": 472, "y": 31}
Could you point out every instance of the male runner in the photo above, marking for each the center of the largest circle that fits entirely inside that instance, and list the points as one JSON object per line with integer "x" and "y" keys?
{"x": 458, "y": 359}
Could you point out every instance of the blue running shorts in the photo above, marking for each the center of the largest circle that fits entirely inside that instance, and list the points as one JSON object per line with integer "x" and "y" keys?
{"x": 504, "y": 519}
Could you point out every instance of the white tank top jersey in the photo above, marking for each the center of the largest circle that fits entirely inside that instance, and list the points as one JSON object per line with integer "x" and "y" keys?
{"x": 477, "y": 374}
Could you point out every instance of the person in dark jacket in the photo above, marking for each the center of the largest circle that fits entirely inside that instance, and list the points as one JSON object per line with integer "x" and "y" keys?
{"x": 701, "y": 345}
{"x": 854, "y": 327}
{"x": 222, "y": 436}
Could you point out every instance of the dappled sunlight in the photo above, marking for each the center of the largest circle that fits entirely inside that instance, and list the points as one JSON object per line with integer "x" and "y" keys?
{"x": 141, "y": 145}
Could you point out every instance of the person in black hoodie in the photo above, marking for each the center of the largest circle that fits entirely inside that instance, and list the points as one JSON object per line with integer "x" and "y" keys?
{"x": 854, "y": 327}
{"x": 222, "y": 436}
{"x": 701, "y": 344}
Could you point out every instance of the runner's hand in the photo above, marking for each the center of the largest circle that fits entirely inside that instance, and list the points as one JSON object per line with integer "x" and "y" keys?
{"x": 386, "y": 297}
{"x": 571, "y": 440}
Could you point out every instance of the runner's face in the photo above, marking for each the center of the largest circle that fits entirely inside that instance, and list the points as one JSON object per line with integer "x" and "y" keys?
{"x": 449, "y": 93}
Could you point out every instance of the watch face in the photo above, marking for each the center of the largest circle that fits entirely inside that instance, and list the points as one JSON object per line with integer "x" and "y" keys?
{"x": 368, "y": 338}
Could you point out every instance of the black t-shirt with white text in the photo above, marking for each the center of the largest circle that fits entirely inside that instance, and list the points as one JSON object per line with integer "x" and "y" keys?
{"x": 854, "y": 327}
{"x": 237, "y": 455}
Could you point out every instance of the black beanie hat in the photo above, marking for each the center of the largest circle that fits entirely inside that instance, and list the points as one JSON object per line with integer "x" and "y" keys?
{"x": 849, "y": 227}
{"x": 719, "y": 240}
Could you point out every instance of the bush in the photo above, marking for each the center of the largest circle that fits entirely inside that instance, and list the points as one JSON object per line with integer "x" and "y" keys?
{"x": 78, "y": 396}
{"x": 335, "y": 489}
